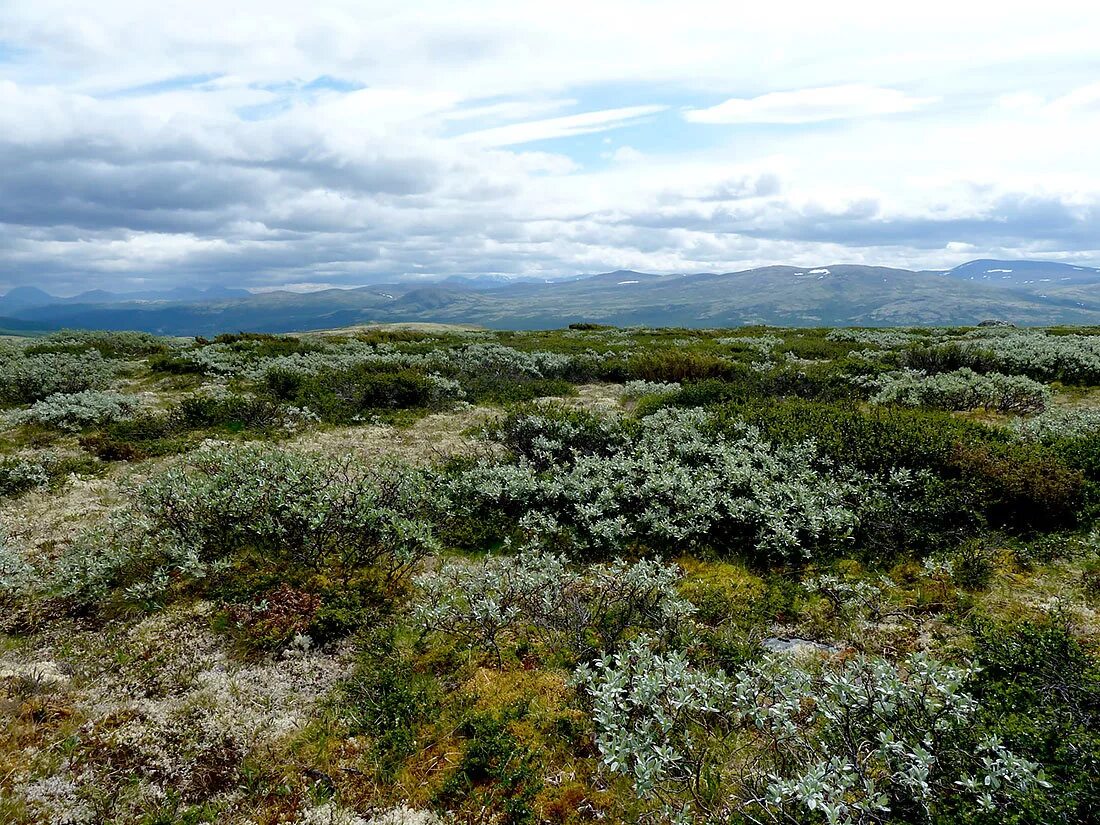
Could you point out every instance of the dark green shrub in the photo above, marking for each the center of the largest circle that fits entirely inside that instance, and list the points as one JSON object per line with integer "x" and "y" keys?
{"x": 513, "y": 390}
{"x": 232, "y": 411}
{"x": 350, "y": 394}
{"x": 1039, "y": 691}
{"x": 385, "y": 699}
{"x": 496, "y": 773}
{"x": 679, "y": 365}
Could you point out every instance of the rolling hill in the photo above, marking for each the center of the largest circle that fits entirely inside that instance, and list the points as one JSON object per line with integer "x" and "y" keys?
{"x": 1022, "y": 292}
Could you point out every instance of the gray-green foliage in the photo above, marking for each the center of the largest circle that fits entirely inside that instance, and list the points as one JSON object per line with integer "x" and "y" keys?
{"x": 17, "y": 576}
{"x": 962, "y": 389}
{"x": 1073, "y": 358}
{"x": 1059, "y": 423}
{"x": 540, "y": 596}
{"x": 27, "y": 378}
{"x": 856, "y": 741}
{"x": 301, "y": 510}
{"x": 75, "y": 411}
{"x": 638, "y": 389}
{"x": 677, "y": 484}
{"x": 19, "y": 474}
{"x": 252, "y": 505}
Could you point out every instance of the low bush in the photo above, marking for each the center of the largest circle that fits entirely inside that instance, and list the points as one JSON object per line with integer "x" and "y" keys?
{"x": 539, "y": 598}
{"x": 827, "y": 739}
{"x": 1039, "y": 691}
{"x": 679, "y": 483}
{"x": 25, "y": 379}
{"x": 551, "y": 434}
{"x": 678, "y": 366}
{"x": 962, "y": 389}
{"x": 18, "y": 475}
{"x": 236, "y": 521}
{"x": 106, "y": 343}
{"x": 76, "y": 411}
{"x": 348, "y": 395}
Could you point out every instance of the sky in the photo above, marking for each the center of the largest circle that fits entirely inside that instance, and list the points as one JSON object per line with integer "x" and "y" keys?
{"x": 302, "y": 145}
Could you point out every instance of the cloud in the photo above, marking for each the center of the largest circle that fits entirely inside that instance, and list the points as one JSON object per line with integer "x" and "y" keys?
{"x": 810, "y": 106}
{"x": 347, "y": 142}
{"x": 559, "y": 127}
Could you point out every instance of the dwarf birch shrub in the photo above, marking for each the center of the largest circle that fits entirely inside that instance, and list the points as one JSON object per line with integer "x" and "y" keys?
{"x": 541, "y": 597}
{"x": 676, "y": 484}
{"x": 28, "y": 378}
{"x": 859, "y": 741}
{"x": 962, "y": 389}
{"x": 75, "y": 411}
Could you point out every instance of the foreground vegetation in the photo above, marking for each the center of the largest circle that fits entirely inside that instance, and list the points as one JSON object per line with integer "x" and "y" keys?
{"x": 402, "y": 575}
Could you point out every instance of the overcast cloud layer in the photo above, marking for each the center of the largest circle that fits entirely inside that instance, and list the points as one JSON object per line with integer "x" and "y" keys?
{"x": 267, "y": 144}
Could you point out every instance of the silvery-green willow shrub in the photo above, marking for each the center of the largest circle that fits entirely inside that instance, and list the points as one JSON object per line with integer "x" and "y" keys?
{"x": 19, "y": 474}
{"x": 884, "y": 338}
{"x": 541, "y": 597}
{"x": 658, "y": 721}
{"x": 862, "y": 740}
{"x": 549, "y": 435}
{"x": 110, "y": 344}
{"x": 1059, "y": 423}
{"x": 27, "y": 378}
{"x": 75, "y": 411}
{"x": 236, "y": 511}
{"x": 962, "y": 389}
{"x": 281, "y": 508}
{"x": 1038, "y": 354}
{"x": 763, "y": 344}
{"x": 676, "y": 484}
{"x": 17, "y": 575}
{"x": 638, "y": 389}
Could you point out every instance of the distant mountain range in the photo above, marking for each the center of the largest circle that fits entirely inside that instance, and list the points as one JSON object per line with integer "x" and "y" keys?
{"x": 1023, "y": 292}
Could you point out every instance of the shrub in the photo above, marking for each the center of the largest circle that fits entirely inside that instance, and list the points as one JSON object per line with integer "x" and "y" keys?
{"x": 347, "y": 395}
{"x": 75, "y": 411}
{"x": 977, "y": 469}
{"x": 108, "y": 344}
{"x": 678, "y": 366}
{"x": 1073, "y": 359}
{"x": 678, "y": 484}
{"x": 25, "y": 379}
{"x": 294, "y": 513}
{"x": 861, "y": 740}
{"x": 539, "y": 597}
{"x": 387, "y": 700}
{"x": 550, "y": 434}
{"x": 18, "y": 475}
{"x": 885, "y": 338}
{"x": 496, "y": 773}
{"x": 1039, "y": 691}
{"x": 962, "y": 389}
{"x": 637, "y": 389}
{"x": 239, "y": 520}
{"x": 1059, "y": 424}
